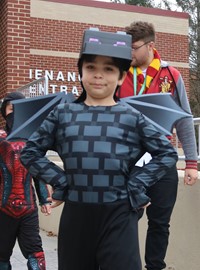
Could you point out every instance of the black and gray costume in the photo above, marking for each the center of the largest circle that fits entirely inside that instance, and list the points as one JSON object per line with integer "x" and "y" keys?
{"x": 99, "y": 146}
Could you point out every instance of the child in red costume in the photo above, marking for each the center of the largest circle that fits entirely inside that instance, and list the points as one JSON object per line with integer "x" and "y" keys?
{"x": 18, "y": 209}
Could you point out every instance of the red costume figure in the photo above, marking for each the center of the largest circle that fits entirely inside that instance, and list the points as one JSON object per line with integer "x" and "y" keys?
{"x": 18, "y": 208}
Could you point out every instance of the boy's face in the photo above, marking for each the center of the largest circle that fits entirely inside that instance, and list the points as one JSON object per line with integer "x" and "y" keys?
{"x": 100, "y": 78}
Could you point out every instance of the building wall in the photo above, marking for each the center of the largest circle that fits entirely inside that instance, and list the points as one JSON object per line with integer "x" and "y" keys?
{"x": 57, "y": 28}
{"x": 43, "y": 37}
{"x": 16, "y": 43}
{"x": 3, "y": 46}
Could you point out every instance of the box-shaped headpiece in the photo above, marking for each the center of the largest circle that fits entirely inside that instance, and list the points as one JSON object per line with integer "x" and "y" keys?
{"x": 97, "y": 42}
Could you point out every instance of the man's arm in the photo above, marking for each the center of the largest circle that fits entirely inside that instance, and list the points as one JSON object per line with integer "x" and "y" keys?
{"x": 186, "y": 134}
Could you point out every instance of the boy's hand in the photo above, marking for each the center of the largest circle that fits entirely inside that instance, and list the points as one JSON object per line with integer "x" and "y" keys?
{"x": 54, "y": 203}
{"x": 46, "y": 209}
{"x": 146, "y": 205}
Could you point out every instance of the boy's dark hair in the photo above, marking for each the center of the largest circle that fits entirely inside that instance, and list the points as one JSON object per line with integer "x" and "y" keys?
{"x": 121, "y": 64}
{"x": 141, "y": 31}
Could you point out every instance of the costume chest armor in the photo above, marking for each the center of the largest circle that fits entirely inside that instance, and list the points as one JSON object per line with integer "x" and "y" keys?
{"x": 16, "y": 198}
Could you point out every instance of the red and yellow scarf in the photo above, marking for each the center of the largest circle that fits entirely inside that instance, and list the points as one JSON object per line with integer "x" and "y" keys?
{"x": 152, "y": 70}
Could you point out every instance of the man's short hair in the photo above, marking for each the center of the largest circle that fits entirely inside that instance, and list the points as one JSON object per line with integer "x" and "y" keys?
{"x": 140, "y": 30}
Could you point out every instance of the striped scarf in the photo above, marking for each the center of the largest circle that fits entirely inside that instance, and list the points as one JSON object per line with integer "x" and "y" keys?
{"x": 152, "y": 70}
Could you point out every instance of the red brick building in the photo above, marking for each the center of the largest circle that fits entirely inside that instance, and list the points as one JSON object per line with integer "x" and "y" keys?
{"x": 41, "y": 37}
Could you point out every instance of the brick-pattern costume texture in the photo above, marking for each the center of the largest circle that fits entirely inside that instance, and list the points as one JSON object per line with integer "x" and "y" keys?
{"x": 99, "y": 147}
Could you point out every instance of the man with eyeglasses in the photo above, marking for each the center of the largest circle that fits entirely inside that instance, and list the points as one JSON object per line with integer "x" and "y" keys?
{"x": 149, "y": 74}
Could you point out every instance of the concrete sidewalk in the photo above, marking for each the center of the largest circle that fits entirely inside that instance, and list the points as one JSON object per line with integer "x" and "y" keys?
{"x": 50, "y": 248}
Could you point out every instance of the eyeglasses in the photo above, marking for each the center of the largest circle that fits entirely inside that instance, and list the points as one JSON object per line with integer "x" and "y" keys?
{"x": 134, "y": 49}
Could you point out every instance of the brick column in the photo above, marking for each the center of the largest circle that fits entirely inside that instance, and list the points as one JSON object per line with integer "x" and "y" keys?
{"x": 3, "y": 47}
{"x": 18, "y": 43}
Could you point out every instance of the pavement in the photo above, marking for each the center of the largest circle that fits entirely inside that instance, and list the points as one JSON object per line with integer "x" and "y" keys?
{"x": 50, "y": 248}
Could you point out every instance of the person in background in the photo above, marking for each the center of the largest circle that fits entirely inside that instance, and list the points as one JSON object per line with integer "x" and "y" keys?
{"x": 149, "y": 74}
{"x": 99, "y": 140}
{"x": 18, "y": 209}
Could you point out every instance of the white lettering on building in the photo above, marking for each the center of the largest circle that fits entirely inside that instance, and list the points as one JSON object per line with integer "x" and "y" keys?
{"x": 57, "y": 76}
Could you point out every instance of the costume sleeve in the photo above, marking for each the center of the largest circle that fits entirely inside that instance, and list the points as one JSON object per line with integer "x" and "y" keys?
{"x": 164, "y": 156}
{"x": 185, "y": 127}
{"x": 42, "y": 191}
{"x": 34, "y": 159}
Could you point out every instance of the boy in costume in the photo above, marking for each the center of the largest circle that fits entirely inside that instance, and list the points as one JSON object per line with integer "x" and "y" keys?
{"x": 99, "y": 140}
